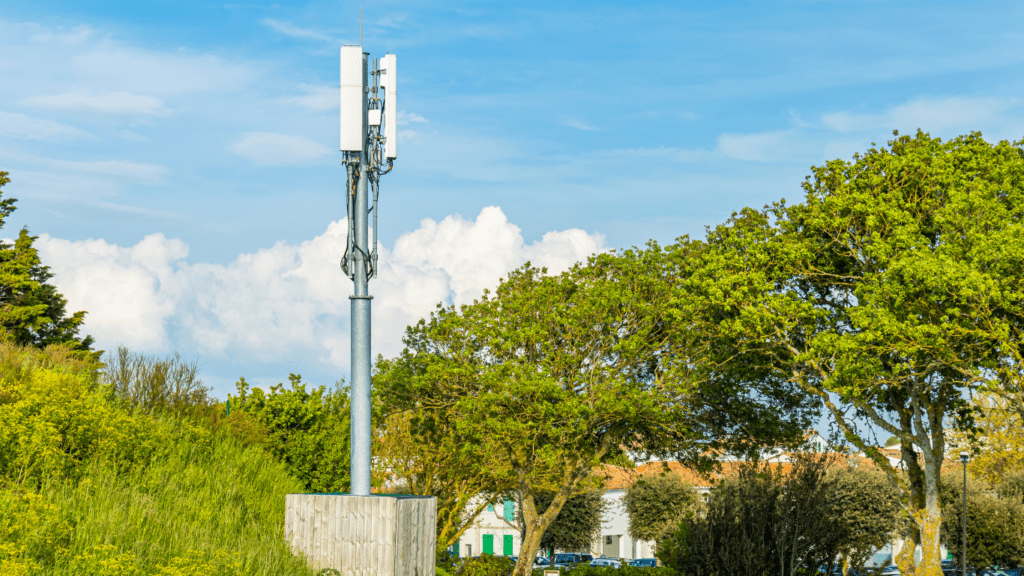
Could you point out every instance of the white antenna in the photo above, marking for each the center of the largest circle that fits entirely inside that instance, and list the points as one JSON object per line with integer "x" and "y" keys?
{"x": 360, "y": 25}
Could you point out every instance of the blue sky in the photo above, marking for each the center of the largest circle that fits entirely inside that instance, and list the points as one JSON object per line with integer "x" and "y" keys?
{"x": 179, "y": 158}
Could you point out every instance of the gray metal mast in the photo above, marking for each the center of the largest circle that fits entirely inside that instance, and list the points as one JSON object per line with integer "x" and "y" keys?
{"x": 363, "y": 115}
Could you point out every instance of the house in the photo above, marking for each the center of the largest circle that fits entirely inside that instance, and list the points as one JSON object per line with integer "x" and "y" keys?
{"x": 494, "y": 531}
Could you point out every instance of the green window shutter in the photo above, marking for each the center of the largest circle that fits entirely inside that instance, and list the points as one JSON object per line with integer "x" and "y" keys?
{"x": 509, "y": 509}
{"x": 455, "y": 548}
{"x": 489, "y": 544}
{"x": 507, "y": 545}
{"x": 490, "y": 507}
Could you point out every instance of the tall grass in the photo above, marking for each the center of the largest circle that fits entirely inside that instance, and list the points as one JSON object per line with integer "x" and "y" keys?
{"x": 128, "y": 482}
{"x": 222, "y": 499}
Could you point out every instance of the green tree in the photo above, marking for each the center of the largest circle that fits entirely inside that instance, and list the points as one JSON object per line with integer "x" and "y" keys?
{"x": 32, "y": 312}
{"x": 578, "y": 523}
{"x": 557, "y": 374}
{"x": 307, "y": 431}
{"x": 461, "y": 477}
{"x": 995, "y": 534}
{"x": 891, "y": 291}
{"x": 867, "y": 508}
{"x": 996, "y": 441}
{"x": 656, "y": 504}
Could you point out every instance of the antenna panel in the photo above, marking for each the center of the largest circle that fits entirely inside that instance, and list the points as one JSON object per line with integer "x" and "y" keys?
{"x": 353, "y": 99}
{"x": 389, "y": 80}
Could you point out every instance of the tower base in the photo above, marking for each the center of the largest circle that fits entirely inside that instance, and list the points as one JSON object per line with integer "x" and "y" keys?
{"x": 377, "y": 535}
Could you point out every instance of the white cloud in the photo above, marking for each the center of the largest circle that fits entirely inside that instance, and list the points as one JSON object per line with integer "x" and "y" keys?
{"x": 289, "y": 29}
{"x": 406, "y": 118}
{"x": 28, "y": 128}
{"x": 109, "y": 103}
{"x": 579, "y": 125}
{"x": 289, "y": 302}
{"x": 928, "y": 114}
{"x": 120, "y": 170}
{"x": 269, "y": 149}
{"x": 761, "y": 146}
{"x": 317, "y": 98}
{"x": 53, "y": 60}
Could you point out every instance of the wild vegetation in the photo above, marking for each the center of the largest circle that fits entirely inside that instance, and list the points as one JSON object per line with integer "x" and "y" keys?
{"x": 91, "y": 486}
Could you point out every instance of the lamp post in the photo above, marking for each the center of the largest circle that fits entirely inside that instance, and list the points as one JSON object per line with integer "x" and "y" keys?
{"x": 964, "y": 457}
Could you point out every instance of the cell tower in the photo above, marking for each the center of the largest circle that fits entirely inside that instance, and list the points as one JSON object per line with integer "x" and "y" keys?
{"x": 359, "y": 534}
{"x": 369, "y": 144}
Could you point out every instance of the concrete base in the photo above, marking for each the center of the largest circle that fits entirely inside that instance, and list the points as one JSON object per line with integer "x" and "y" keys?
{"x": 378, "y": 535}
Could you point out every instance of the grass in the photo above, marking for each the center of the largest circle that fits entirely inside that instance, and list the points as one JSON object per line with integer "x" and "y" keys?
{"x": 90, "y": 487}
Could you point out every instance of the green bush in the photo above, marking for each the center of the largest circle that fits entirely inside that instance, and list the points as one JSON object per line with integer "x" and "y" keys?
{"x": 484, "y": 565}
{"x": 587, "y": 570}
{"x": 307, "y": 431}
{"x": 89, "y": 487}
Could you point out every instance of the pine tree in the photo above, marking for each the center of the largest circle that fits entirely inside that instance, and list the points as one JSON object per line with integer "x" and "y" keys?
{"x": 32, "y": 311}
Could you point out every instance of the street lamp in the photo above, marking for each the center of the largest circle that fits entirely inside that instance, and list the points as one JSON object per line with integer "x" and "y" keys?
{"x": 964, "y": 457}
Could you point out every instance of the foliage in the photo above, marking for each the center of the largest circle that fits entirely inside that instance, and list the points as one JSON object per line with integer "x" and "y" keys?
{"x": 158, "y": 386}
{"x": 577, "y": 524}
{"x": 995, "y": 535}
{"x": 585, "y": 570}
{"x": 53, "y": 420}
{"x": 554, "y": 375}
{"x": 307, "y": 431}
{"x": 769, "y": 521}
{"x": 655, "y": 505}
{"x": 996, "y": 442}
{"x": 89, "y": 488}
{"x": 484, "y": 565}
{"x": 867, "y": 508}
{"x": 1011, "y": 485}
{"x": 431, "y": 463}
{"x": 891, "y": 291}
{"x": 32, "y": 311}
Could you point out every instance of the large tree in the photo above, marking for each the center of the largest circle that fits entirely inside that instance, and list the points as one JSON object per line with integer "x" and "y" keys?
{"x": 557, "y": 374}
{"x": 891, "y": 291}
{"x": 32, "y": 312}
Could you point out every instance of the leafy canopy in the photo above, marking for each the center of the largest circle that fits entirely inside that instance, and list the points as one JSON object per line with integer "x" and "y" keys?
{"x": 557, "y": 374}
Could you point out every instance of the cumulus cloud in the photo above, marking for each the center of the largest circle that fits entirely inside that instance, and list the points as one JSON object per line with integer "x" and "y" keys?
{"x": 109, "y": 103}
{"x": 28, "y": 128}
{"x": 270, "y": 149}
{"x": 289, "y": 301}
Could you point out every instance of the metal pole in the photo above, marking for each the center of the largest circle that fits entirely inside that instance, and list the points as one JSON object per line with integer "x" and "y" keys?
{"x": 963, "y": 521}
{"x": 359, "y": 462}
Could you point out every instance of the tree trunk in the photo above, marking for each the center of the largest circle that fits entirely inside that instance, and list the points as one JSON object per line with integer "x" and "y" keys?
{"x": 536, "y": 524}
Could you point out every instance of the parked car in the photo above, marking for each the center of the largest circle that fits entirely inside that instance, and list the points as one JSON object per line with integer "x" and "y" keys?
{"x": 610, "y": 562}
{"x": 644, "y": 563}
{"x": 585, "y": 558}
